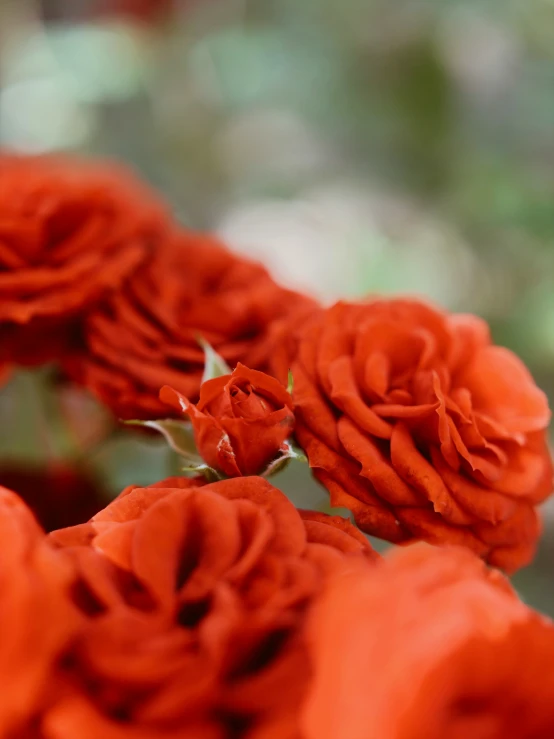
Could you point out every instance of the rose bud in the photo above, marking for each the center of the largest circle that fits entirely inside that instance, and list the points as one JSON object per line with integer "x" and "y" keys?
{"x": 240, "y": 422}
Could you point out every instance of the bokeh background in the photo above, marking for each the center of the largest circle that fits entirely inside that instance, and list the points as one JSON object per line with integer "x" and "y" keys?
{"x": 353, "y": 146}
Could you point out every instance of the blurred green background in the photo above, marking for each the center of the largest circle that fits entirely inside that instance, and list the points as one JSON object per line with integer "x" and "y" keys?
{"x": 352, "y": 145}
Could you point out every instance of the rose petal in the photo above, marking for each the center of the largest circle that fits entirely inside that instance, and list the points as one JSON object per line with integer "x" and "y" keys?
{"x": 375, "y": 467}
{"x": 211, "y": 439}
{"x": 414, "y": 469}
{"x": 511, "y": 559}
{"x": 375, "y": 520}
{"x": 311, "y": 407}
{"x": 264, "y": 385}
{"x": 431, "y": 527}
{"x": 334, "y": 342}
{"x": 290, "y": 536}
{"x": 335, "y": 531}
{"x": 255, "y": 443}
{"x": 471, "y": 334}
{"x": 522, "y": 526}
{"x": 527, "y": 475}
{"x": 502, "y": 386}
{"x": 479, "y": 502}
{"x": 345, "y": 395}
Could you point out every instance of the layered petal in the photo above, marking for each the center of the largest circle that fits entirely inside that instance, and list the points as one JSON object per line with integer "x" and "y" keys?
{"x": 196, "y": 598}
{"x": 147, "y": 334}
{"x": 428, "y": 644}
{"x": 420, "y": 426}
{"x": 71, "y": 232}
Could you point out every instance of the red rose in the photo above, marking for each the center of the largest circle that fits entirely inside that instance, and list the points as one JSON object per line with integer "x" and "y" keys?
{"x": 70, "y": 233}
{"x": 59, "y": 495}
{"x": 146, "y": 335}
{"x": 38, "y": 622}
{"x": 240, "y": 422}
{"x": 428, "y": 644}
{"x": 219, "y": 513}
{"x": 207, "y": 634}
{"x": 424, "y": 429}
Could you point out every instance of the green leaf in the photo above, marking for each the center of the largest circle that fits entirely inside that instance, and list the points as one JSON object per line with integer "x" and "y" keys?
{"x": 214, "y": 365}
{"x": 290, "y": 385}
{"x": 178, "y": 434}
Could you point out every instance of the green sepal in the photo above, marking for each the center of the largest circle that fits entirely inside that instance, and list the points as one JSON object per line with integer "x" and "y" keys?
{"x": 214, "y": 364}
{"x": 288, "y": 452}
{"x": 208, "y": 472}
{"x": 290, "y": 383}
{"x": 178, "y": 434}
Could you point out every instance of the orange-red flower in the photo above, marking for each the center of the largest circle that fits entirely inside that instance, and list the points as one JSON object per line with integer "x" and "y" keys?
{"x": 240, "y": 422}
{"x": 214, "y": 584}
{"x": 70, "y": 233}
{"x": 147, "y": 334}
{"x": 428, "y": 644}
{"x": 38, "y": 622}
{"x": 415, "y": 421}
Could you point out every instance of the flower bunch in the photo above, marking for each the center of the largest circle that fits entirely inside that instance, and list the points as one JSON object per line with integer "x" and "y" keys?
{"x": 207, "y": 604}
{"x": 178, "y": 610}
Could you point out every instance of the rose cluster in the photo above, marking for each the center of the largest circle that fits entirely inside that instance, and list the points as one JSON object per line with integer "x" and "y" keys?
{"x": 207, "y": 605}
{"x": 196, "y": 610}
{"x": 96, "y": 275}
{"x": 177, "y": 610}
